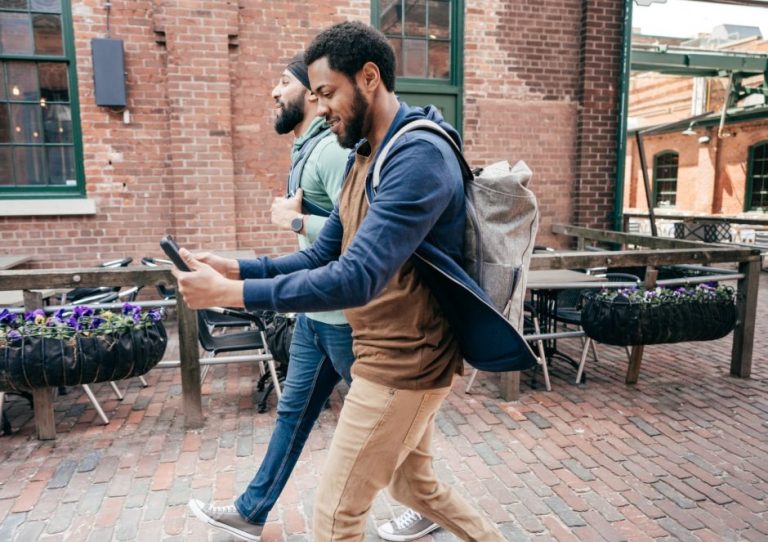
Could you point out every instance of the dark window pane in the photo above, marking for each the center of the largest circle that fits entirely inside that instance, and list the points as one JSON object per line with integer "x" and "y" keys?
{"x": 61, "y": 166}
{"x": 415, "y": 17}
{"x": 666, "y": 179}
{"x": 439, "y": 19}
{"x": 13, "y": 4}
{"x": 3, "y": 94}
{"x": 57, "y": 120}
{"x": 391, "y": 18}
{"x": 53, "y": 81}
{"x": 5, "y": 124}
{"x": 397, "y": 45}
{"x": 6, "y": 166}
{"x": 439, "y": 60}
{"x": 29, "y": 165}
{"x": 48, "y": 35}
{"x": 22, "y": 81}
{"x": 759, "y": 180}
{"x": 414, "y": 58}
{"x": 49, "y": 6}
{"x": 25, "y": 124}
{"x": 15, "y": 33}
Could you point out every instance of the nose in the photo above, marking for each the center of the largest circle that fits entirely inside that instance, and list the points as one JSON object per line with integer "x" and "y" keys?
{"x": 322, "y": 107}
{"x": 276, "y": 91}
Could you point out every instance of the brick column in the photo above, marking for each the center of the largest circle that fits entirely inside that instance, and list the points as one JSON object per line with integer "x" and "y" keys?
{"x": 197, "y": 35}
{"x": 593, "y": 195}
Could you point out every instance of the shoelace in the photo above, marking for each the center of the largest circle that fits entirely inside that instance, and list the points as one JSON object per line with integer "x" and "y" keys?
{"x": 407, "y": 519}
{"x": 221, "y": 510}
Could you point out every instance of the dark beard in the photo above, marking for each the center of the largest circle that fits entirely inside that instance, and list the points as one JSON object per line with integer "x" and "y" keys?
{"x": 356, "y": 125}
{"x": 291, "y": 116}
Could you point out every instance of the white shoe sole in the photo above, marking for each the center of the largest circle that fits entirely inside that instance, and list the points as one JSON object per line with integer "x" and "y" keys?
{"x": 205, "y": 518}
{"x": 391, "y": 537}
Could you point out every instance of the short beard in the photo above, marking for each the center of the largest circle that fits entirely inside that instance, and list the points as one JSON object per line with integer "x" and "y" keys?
{"x": 355, "y": 128}
{"x": 291, "y": 116}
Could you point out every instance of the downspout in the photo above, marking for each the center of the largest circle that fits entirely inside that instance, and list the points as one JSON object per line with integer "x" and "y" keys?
{"x": 621, "y": 129}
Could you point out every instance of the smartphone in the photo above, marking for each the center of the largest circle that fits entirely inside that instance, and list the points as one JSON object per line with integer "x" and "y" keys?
{"x": 169, "y": 246}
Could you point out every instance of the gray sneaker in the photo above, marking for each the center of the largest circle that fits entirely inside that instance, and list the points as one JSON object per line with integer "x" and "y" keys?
{"x": 410, "y": 525}
{"x": 226, "y": 518}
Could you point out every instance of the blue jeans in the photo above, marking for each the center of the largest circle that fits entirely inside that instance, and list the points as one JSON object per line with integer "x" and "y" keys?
{"x": 321, "y": 354}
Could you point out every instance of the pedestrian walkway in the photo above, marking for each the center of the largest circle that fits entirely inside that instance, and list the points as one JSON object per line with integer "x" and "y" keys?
{"x": 683, "y": 455}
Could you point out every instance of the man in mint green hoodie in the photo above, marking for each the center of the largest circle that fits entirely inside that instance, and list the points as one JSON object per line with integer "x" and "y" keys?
{"x": 321, "y": 348}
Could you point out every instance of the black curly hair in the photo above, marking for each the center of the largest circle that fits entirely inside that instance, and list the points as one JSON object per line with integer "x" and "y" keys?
{"x": 349, "y": 45}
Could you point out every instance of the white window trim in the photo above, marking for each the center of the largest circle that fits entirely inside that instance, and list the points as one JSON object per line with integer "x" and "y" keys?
{"x": 47, "y": 207}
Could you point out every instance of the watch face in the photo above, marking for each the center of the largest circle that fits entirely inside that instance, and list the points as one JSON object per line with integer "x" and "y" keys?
{"x": 297, "y": 224}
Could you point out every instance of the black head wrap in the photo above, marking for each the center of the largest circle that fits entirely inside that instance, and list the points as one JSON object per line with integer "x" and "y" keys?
{"x": 298, "y": 68}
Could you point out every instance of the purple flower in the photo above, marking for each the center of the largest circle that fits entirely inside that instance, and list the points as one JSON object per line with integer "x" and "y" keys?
{"x": 128, "y": 308}
{"x": 74, "y": 323}
{"x": 137, "y": 317}
{"x": 7, "y": 317}
{"x": 13, "y": 336}
{"x": 96, "y": 322}
{"x": 155, "y": 315}
{"x": 82, "y": 310}
{"x": 32, "y": 315}
{"x": 59, "y": 315}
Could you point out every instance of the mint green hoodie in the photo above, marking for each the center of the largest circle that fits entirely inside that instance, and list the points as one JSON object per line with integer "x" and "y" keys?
{"x": 321, "y": 180}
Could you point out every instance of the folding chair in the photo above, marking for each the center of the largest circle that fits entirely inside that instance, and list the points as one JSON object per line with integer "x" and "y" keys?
{"x": 254, "y": 338}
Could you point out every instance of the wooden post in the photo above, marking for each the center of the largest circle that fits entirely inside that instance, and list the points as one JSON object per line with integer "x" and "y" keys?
{"x": 746, "y": 312}
{"x": 42, "y": 398}
{"x": 190, "y": 365}
{"x": 636, "y": 357}
{"x": 510, "y": 385}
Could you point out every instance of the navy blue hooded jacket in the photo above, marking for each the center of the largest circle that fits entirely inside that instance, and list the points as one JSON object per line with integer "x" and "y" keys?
{"x": 417, "y": 211}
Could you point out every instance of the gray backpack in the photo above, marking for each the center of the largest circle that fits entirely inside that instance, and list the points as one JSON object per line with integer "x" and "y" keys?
{"x": 502, "y": 219}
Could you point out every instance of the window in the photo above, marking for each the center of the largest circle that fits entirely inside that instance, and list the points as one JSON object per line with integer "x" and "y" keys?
{"x": 40, "y": 150}
{"x": 665, "y": 179}
{"x": 757, "y": 178}
{"x": 427, "y": 38}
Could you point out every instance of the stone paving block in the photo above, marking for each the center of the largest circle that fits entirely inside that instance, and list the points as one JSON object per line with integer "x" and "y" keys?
{"x": 62, "y": 519}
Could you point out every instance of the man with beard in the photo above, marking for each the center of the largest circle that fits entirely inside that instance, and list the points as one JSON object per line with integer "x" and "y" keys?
{"x": 321, "y": 347}
{"x": 369, "y": 259}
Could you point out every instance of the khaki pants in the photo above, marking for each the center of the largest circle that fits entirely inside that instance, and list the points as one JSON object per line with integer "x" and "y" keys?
{"x": 384, "y": 439}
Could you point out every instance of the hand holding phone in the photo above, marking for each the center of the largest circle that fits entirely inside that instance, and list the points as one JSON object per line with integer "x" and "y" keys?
{"x": 171, "y": 248}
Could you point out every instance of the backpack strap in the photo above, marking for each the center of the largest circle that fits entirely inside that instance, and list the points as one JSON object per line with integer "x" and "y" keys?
{"x": 420, "y": 124}
{"x": 294, "y": 178}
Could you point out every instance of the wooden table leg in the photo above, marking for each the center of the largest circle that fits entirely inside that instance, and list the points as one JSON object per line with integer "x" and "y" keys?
{"x": 44, "y": 422}
{"x": 510, "y": 385}
{"x": 636, "y": 358}
{"x": 43, "y": 398}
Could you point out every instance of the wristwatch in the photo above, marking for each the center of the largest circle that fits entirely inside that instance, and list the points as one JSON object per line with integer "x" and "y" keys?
{"x": 297, "y": 224}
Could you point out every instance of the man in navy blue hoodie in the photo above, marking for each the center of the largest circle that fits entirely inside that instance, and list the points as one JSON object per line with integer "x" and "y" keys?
{"x": 363, "y": 262}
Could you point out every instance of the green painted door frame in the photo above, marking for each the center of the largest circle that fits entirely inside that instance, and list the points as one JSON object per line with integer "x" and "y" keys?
{"x": 621, "y": 129}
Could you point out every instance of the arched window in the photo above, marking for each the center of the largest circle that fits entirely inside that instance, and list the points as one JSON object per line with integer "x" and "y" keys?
{"x": 757, "y": 178}
{"x": 665, "y": 179}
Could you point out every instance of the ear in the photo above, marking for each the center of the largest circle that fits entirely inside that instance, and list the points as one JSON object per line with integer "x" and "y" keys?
{"x": 311, "y": 97}
{"x": 369, "y": 76}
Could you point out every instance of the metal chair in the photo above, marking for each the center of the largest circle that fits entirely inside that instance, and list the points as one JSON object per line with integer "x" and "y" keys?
{"x": 254, "y": 338}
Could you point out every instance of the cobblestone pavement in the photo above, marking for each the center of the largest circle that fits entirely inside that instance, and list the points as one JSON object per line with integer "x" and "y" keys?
{"x": 683, "y": 455}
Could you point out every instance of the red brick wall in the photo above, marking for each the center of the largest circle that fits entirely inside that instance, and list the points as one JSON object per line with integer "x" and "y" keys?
{"x": 599, "y": 73}
{"x": 697, "y": 191}
{"x": 200, "y": 157}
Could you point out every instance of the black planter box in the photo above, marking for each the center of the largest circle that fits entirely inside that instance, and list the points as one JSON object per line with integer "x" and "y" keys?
{"x": 37, "y": 362}
{"x": 621, "y": 323}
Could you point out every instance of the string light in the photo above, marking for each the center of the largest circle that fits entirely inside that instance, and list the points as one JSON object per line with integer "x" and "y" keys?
{"x": 15, "y": 90}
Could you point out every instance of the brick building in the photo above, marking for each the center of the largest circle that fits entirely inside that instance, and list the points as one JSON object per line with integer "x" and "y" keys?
{"x": 194, "y": 151}
{"x": 695, "y": 167}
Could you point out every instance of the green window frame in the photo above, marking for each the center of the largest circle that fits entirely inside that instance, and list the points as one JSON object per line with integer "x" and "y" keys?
{"x": 757, "y": 178}
{"x": 428, "y": 38}
{"x": 41, "y": 154}
{"x": 665, "y": 166}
